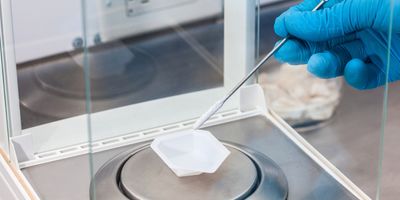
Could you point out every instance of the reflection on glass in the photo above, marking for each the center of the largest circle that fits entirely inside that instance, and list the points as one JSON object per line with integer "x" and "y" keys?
{"x": 142, "y": 50}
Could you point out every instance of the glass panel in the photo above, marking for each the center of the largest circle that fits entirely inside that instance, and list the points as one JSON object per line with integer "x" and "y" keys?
{"x": 45, "y": 43}
{"x": 151, "y": 58}
{"x": 49, "y": 63}
{"x": 4, "y": 115}
{"x": 171, "y": 65}
{"x": 162, "y": 64}
{"x": 9, "y": 113}
{"x": 119, "y": 73}
{"x": 389, "y": 163}
{"x": 51, "y": 86}
{"x": 4, "y": 136}
{"x": 341, "y": 122}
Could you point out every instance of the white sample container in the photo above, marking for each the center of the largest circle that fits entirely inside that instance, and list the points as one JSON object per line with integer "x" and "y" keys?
{"x": 190, "y": 152}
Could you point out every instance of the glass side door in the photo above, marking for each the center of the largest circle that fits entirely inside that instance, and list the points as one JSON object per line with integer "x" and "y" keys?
{"x": 353, "y": 128}
{"x": 389, "y": 175}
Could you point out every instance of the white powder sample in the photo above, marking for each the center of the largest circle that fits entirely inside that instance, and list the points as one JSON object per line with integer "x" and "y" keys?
{"x": 294, "y": 94}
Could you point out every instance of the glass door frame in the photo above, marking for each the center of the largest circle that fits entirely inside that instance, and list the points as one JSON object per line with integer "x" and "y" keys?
{"x": 10, "y": 120}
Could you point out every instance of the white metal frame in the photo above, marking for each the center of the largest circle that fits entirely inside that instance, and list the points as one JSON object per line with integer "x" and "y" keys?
{"x": 4, "y": 125}
{"x": 10, "y": 121}
{"x": 13, "y": 184}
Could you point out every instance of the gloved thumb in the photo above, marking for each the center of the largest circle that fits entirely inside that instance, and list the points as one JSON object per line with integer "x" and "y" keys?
{"x": 325, "y": 24}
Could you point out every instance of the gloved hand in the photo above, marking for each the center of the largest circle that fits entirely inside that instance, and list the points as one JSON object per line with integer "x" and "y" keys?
{"x": 345, "y": 37}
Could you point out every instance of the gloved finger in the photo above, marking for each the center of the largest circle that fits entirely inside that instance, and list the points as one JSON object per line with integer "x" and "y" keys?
{"x": 322, "y": 24}
{"x": 361, "y": 75}
{"x": 325, "y": 65}
{"x": 331, "y": 63}
{"x": 307, "y": 5}
{"x": 294, "y": 52}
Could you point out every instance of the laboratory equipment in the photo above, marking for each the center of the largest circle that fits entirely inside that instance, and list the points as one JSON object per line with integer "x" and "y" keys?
{"x": 99, "y": 153}
{"x": 245, "y": 174}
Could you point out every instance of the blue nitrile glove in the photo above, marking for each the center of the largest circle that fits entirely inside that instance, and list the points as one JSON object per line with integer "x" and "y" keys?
{"x": 345, "y": 37}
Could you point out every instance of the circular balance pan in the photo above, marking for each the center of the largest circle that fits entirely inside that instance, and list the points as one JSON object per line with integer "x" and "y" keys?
{"x": 141, "y": 174}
